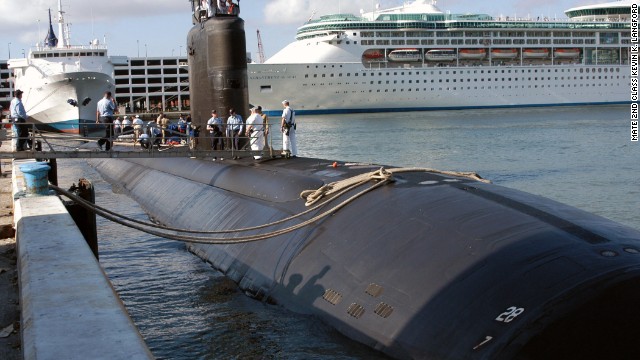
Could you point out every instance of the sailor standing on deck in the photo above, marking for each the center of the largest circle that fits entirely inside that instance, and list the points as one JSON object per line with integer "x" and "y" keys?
{"x": 214, "y": 125}
{"x": 255, "y": 131}
{"x": 138, "y": 124}
{"x": 288, "y": 127}
{"x": 104, "y": 115}
{"x": 234, "y": 129}
{"x": 18, "y": 116}
{"x": 117, "y": 127}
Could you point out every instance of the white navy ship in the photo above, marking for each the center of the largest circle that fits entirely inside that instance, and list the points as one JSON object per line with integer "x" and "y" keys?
{"x": 416, "y": 57}
{"x": 62, "y": 82}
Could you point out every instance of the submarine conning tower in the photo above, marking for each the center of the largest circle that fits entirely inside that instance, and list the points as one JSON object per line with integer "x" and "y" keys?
{"x": 216, "y": 46}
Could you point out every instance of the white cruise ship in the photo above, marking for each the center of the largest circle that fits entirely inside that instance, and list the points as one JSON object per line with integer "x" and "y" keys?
{"x": 62, "y": 83}
{"x": 416, "y": 57}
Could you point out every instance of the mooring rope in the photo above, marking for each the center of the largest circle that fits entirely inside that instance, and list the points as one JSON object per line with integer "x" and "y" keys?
{"x": 313, "y": 196}
{"x": 382, "y": 176}
{"x": 214, "y": 240}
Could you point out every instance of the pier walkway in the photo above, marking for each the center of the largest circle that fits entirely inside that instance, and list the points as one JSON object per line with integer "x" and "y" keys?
{"x": 69, "y": 310}
{"x": 10, "y": 348}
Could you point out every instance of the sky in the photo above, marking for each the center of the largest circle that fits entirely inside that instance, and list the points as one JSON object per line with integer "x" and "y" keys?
{"x": 159, "y": 28}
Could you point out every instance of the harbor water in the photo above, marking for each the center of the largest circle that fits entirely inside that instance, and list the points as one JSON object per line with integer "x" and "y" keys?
{"x": 186, "y": 310}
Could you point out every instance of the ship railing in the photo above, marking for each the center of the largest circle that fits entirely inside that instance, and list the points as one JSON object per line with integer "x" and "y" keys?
{"x": 40, "y": 47}
{"x": 130, "y": 143}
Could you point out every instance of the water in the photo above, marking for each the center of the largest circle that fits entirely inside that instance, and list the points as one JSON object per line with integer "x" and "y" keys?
{"x": 186, "y": 310}
{"x": 579, "y": 156}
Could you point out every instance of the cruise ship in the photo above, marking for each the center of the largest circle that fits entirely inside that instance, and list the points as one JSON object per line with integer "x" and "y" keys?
{"x": 417, "y": 57}
{"x": 62, "y": 83}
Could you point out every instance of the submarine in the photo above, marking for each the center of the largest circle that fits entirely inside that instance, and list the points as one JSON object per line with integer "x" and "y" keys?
{"x": 416, "y": 263}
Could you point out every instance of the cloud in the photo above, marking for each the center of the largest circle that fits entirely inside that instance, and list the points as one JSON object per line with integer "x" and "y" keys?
{"x": 26, "y": 22}
{"x": 299, "y": 11}
{"x": 21, "y": 15}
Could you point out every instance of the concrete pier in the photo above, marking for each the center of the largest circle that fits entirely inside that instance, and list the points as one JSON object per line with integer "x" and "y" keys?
{"x": 9, "y": 302}
{"x": 68, "y": 308}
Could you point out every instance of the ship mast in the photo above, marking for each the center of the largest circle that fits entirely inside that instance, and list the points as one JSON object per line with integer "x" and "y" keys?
{"x": 62, "y": 30}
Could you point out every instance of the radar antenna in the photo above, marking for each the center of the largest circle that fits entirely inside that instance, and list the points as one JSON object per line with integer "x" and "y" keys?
{"x": 260, "y": 48}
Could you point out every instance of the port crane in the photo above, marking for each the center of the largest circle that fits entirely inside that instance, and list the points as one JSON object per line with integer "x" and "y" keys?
{"x": 260, "y": 48}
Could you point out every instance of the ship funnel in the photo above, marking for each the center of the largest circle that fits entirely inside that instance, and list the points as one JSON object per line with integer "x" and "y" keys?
{"x": 51, "y": 40}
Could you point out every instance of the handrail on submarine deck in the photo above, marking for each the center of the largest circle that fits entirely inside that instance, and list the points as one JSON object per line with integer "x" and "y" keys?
{"x": 47, "y": 145}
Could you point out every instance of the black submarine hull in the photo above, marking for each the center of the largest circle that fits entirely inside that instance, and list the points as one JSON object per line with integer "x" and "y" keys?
{"x": 428, "y": 267}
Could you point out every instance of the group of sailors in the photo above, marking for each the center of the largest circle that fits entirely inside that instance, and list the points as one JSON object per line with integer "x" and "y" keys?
{"x": 224, "y": 134}
{"x": 227, "y": 135}
{"x": 155, "y": 132}
{"x": 218, "y": 7}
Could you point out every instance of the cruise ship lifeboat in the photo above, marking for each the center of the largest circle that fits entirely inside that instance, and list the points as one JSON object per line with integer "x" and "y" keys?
{"x": 566, "y": 53}
{"x": 474, "y": 54}
{"x": 373, "y": 55}
{"x": 535, "y": 53}
{"x": 440, "y": 55}
{"x": 504, "y": 53}
{"x": 405, "y": 55}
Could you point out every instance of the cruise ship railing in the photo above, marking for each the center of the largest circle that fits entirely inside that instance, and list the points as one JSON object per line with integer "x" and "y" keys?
{"x": 130, "y": 143}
